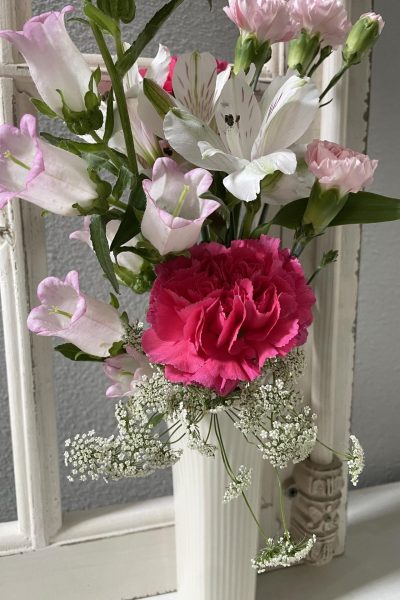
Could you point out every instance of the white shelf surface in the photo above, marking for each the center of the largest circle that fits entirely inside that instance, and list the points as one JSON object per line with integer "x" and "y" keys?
{"x": 370, "y": 567}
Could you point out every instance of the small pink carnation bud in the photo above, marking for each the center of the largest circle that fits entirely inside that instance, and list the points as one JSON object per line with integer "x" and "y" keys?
{"x": 326, "y": 18}
{"x": 268, "y": 20}
{"x": 338, "y": 171}
{"x": 338, "y": 167}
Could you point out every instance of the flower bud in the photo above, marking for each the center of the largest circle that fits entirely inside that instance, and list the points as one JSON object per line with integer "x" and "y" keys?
{"x": 362, "y": 37}
{"x": 323, "y": 206}
{"x": 303, "y": 51}
{"x": 124, "y": 10}
{"x": 250, "y": 51}
{"x": 338, "y": 172}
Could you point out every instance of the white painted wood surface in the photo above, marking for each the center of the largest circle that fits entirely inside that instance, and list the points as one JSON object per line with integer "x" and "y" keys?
{"x": 370, "y": 567}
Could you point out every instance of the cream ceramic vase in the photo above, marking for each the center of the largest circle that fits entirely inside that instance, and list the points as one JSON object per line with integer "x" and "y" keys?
{"x": 215, "y": 542}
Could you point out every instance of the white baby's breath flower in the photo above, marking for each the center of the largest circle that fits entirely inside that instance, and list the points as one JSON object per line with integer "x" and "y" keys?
{"x": 283, "y": 552}
{"x": 357, "y": 461}
{"x": 241, "y": 483}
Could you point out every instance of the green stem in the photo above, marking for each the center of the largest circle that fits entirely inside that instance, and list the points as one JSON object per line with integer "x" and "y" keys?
{"x": 281, "y": 503}
{"x": 117, "y": 203}
{"x": 120, "y": 100}
{"x": 334, "y": 80}
{"x": 228, "y": 469}
{"x": 340, "y": 454}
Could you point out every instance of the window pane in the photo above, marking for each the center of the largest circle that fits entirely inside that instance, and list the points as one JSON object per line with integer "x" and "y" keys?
{"x": 80, "y": 387}
{"x": 8, "y": 507}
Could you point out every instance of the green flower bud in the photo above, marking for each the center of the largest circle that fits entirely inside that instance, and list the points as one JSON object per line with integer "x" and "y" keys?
{"x": 303, "y": 51}
{"x": 362, "y": 37}
{"x": 323, "y": 206}
{"x": 250, "y": 51}
{"x": 124, "y": 10}
{"x": 159, "y": 98}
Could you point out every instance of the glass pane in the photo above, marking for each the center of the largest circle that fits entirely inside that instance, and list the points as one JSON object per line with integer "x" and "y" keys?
{"x": 8, "y": 507}
{"x": 80, "y": 387}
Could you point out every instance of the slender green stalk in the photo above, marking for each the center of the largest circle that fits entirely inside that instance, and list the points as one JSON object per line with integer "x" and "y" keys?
{"x": 120, "y": 99}
{"x": 334, "y": 80}
{"x": 282, "y": 507}
{"x": 341, "y": 454}
{"x": 231, "y": 474}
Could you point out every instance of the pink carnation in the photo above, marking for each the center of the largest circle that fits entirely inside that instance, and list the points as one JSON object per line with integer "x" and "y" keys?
{"x": 328, "y": 18}
{"x": 338, "y": 167}
{"x": 269, "y": 20}
{"x": 217, "y": 315}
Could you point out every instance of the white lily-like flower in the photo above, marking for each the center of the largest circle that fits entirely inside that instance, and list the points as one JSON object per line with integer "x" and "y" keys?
{"x": 254, "y": 139}
{"x": 197, "y": 88}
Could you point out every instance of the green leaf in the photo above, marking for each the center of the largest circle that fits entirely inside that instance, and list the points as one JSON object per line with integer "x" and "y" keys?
{"x": 74, "y": 353}
{"x": 102, "y": 20}
{"x": 148, "y": 33}
{"x": 124, "y": 181}
{"x": 44, "y": 108}
{"x": 365, "y": 207}
{"x": 102, "y": 250}
{"x": 291, "y": 215}
{"x": 72, "y": 145}
{"x": 360, "y": 208}
{"x": 117, "y": 348}
{"x": 114, "y": 301}
{"x": 130, "y": 224}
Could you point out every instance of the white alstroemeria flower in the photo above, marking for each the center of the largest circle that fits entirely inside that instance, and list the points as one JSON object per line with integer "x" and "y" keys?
{"x": 197, "y": 88}
{"x": 254, "y": 138}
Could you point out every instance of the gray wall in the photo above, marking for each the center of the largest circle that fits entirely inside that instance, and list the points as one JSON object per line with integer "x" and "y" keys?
{"x": 376, "y": 409}
{"x": 80, "y": 390}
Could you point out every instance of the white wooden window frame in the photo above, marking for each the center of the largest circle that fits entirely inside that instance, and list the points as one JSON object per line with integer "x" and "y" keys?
{"x": 129, "y": 551}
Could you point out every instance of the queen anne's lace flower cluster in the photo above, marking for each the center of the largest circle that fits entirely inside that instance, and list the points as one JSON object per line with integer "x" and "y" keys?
{"x": 357, "y": 460}
{"x": 240, "y": 484}
{"x": 283, "y": 552}
{"x": 271, "y": 410}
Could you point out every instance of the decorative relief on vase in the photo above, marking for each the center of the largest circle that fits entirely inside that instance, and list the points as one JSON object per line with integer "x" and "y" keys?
{"x": 315, "y": 509}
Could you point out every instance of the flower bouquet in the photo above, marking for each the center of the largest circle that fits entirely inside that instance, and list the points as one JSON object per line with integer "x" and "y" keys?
{"x": 174, "y": 169}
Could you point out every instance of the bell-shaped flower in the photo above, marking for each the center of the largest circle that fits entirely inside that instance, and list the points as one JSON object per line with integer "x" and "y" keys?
{"x": 54, "y": 62}
{"x": 254, "y": 138}
{"x": 197, "y": 81}
{"x": 127, "y": 260}
{"x": 126, "y": 371}
{"x": 175, "y": 210}
{"x": 40, "y": 173}
{"x": 66, "y": 312}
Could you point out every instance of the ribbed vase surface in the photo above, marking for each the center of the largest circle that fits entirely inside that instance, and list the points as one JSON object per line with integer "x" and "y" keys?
{"x": 215, "y": 542}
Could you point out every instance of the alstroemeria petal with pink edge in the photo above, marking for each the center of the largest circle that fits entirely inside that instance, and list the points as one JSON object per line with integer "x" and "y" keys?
{"x": 328, "y": 18}
{"x": 38, "y": 172}
{"x": 126, "y": 370}
{"x": 269, "y": 20}
{"x": 174, "y": 211}
{"x": 66, "y": 312}
{"x": 337, "y": 167}
{"x": 54, "y": 61}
